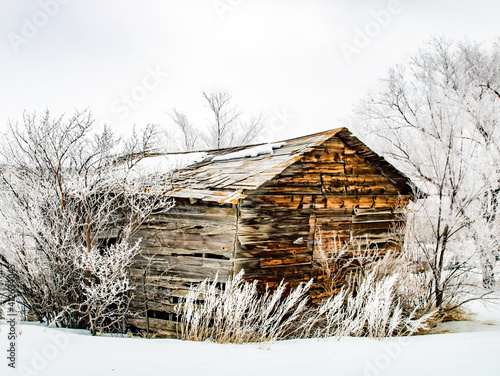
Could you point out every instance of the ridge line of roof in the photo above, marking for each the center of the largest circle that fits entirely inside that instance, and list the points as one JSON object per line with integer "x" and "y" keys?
{"x": 331, "y": 132}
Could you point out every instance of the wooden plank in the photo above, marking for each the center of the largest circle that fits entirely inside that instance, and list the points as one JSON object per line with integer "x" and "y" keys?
{"x": 166, "y": 236}
{"x": 163, "y": 328}
{"x": 172, "y": 261}
{"x": 191, "y": 227}
{"x": 310, "y": 167}
{"x": 334, "y": 143}
{"x": 156, "y": 252}
{"x": 324, "y": 155}
{"x": 326, "y": 201}
{"x": 201, "y": 244}
{"x": 285, "y": 260}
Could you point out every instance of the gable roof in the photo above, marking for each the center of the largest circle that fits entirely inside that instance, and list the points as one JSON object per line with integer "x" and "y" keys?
{"x": 224, "y": 175}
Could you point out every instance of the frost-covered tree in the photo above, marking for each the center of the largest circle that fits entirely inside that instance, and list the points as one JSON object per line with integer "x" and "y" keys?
{"x": 436, "y": 117}
{"x": 70, "y": 201}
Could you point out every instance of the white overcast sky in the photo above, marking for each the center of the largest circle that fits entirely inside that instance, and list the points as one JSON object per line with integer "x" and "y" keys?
{"x": 274, "y": 56}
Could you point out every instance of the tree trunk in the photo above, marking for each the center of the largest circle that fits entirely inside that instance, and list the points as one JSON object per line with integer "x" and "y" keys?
{"x": 487, "y": 268}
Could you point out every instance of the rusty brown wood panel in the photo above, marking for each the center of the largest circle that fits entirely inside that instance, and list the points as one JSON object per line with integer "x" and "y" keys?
{"x": 330, "y": 201}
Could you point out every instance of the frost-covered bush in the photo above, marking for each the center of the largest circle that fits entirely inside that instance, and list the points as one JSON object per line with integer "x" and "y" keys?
{"x": 70, "y": 202}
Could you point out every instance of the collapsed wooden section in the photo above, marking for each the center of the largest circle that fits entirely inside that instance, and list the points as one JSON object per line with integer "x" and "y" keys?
{"x": 320, "y": 191}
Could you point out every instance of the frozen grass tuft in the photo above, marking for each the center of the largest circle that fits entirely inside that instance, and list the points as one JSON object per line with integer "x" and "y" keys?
{"x": 239, "y": 313}
{"x": 375, "y": 310}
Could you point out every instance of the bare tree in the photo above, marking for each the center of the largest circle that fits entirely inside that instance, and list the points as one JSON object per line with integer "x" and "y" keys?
{"x": 226, "y": 127}
{"x": 250, "y": 130}
{"x": 189, "y": 134}
{"x": 436, "y": 119}
{"x": 221, "y": 131}
{"x": 69, "y": 208}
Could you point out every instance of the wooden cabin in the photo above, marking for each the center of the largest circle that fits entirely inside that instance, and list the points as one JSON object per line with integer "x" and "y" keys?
{"x": 264, "y": 208}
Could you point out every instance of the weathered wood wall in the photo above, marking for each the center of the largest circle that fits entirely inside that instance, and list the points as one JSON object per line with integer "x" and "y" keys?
{"x": 191, "y": 242}
{"x": 332, "y": 194}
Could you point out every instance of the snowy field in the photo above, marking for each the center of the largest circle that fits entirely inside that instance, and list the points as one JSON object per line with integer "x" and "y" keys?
{"x": 465, "y": 348}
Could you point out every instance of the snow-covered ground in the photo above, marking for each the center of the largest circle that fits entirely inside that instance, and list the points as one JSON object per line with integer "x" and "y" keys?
{"x": 466, "y": 348}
